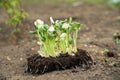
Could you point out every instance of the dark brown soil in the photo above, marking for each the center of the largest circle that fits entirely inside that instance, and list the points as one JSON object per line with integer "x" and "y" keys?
{"x": 100, "y": 23}
{"x": 110, "y": 54}
{"x": 37, "y": 64}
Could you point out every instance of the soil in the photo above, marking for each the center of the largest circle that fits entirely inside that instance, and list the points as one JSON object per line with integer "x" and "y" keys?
{"x": 37, "y": 64}
{"x": 100, "y": 23}
{"x": 110, "y": 54}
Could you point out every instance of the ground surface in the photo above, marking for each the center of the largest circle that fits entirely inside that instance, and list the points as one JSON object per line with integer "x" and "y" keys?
{"x": 97, "y": 34}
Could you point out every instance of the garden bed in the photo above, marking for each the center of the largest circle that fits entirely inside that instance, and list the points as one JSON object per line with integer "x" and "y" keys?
{"x": 99, "y": 25}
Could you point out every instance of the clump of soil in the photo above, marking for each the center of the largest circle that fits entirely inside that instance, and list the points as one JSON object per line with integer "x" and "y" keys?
{"x": 39, "y": 65}
{"x": 110, "y": 54}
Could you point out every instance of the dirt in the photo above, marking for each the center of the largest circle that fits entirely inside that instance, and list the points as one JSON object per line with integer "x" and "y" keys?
{"x": 37, "y": 64}
{"x": 100, "y": 22}
{"x": 110, "y": 54}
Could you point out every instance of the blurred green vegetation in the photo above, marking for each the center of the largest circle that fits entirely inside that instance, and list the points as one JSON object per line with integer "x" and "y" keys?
{"x": 110, "y": 3}
{"x": 68, "y": 1}
{"x": 114, "y": 3}
{"x": 14, "y": 10}
{"x": 15, "y": 14}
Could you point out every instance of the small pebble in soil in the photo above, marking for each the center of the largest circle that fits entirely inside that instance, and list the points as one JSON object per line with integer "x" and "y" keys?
{"x": 119, "y": 54}
{"x": 17, "y": 46}
{"x": 21, "y": 59}
{"x": 85, "y": 45}
{"x": 8, "y": 58}
{"x": 32, "y": 49}
{"x": 33, "y": 77}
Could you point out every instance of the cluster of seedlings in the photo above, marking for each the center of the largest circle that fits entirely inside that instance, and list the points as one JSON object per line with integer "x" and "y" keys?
{"x": 58, "y": 47}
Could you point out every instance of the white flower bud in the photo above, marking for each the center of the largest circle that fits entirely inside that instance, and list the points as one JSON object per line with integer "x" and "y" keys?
{"x": 63, "y": 35}
{"x": 56, "y": 21}
{"x": 51, "y": 19}
{"x": 39, "y": 43}
{"x": 38, "y": 22}
{"x": 51, "y": 29}
{"x": 65, "y": 25}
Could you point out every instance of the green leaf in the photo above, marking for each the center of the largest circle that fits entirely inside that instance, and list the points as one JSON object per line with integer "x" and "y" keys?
{"x": 39, "y": 27}
{"x": 70, "y": 19}
{"x": 32, "y": 32}
{"x": 43, "y": 39}
{"x": 58, "y": 25}
{"x": 10, "y": 11}
{"x": 46, "y": 27}
{"x": 77, "y": 25}
{"x": 70, "y": 40}
{"x": 117, "y": 41}
{"x": 15, "y": 3}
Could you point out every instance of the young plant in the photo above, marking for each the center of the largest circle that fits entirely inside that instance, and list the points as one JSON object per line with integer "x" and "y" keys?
{"x": 15, "y": 13}
{"x": 114, "y": 3}
{"x": 117, "y": 38}
{"x": 108, "y": 53}
{"x": 59, "y": 37}
{"x": 106, "y": 50}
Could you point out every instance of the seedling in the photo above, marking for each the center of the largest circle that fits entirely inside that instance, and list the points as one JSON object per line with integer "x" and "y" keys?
{"x": 117, "y": 38}
{"x": 59, "y": 37}
{"x": 106, "y": 50}
{"x": 15, "y": 13}
{"x": 114, "y": 3}
{"x": 108, "y": 53}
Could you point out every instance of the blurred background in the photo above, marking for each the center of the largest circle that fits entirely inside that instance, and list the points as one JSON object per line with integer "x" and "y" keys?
{"x": 18, "y": 17}
{"x": 111, "y": 3}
